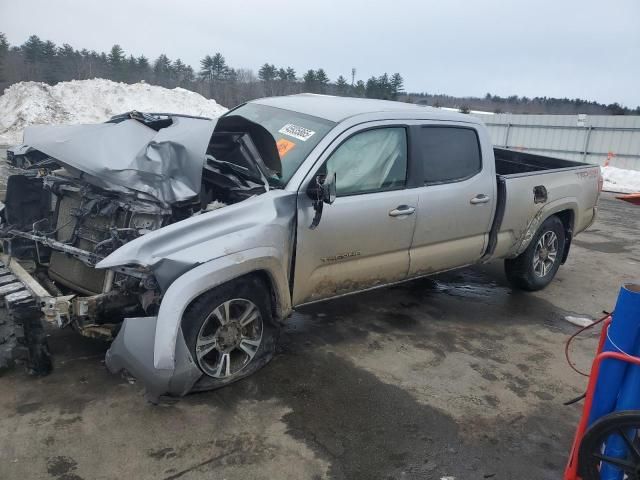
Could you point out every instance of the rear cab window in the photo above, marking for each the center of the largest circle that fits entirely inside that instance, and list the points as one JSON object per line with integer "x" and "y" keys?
{"x": 449, "y": 154}
{"x": 296, "y": 134}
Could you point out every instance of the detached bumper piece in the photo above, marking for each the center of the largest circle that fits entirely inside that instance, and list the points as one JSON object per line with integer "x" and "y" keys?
{"x": 132, "y": 351}
{"x": 22, "y": 333}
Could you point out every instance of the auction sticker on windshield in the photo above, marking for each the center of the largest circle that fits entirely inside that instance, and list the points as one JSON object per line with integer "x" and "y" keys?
{"x": 295, "y": 131}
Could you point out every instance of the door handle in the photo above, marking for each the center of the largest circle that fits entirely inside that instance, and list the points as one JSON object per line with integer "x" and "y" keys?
{"x": 402, "y": 210}
{"x": 481, "y": 198}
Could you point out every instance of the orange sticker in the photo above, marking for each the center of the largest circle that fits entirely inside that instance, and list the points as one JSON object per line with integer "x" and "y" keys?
{"x": 284, "y": 147}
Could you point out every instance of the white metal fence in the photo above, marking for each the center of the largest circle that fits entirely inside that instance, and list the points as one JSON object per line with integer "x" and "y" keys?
{"x": 601, "y": 139}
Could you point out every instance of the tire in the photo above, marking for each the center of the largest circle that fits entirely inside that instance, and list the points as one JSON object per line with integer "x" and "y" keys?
{"x": 23, "y": 340}
{"x": 8, "y": 342}
{"x": 525, "y": 274}
{"x": 28, "y": 317}
{"x": 619, "y": 423}
{"x": 226, "y": 353}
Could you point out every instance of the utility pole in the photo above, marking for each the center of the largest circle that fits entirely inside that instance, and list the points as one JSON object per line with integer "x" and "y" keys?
{"x": 353, "y": 76}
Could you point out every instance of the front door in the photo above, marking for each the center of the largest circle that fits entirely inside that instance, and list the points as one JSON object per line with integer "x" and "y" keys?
{"x": 363, "y": 238}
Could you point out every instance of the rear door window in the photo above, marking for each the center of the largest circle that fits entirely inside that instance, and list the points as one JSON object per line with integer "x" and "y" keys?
{"x": 449, "y": 154}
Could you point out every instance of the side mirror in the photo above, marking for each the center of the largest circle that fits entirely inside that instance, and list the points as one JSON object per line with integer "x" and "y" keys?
{"x": 329, "y": 189}
{"x": 321, "y": 191}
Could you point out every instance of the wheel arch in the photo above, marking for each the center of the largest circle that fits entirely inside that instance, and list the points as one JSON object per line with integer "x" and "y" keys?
{"x": 565, "y": 209}
{"x": 263, "y": 262}
{"x": 263, "y": 276}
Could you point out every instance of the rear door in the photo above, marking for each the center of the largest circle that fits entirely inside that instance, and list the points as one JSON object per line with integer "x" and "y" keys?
{"x": 456, "y": 199}
{"x": 363, "y": 238}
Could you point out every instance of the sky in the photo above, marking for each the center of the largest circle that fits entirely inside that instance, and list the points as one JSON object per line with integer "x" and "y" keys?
{"x": 556, "y": 48}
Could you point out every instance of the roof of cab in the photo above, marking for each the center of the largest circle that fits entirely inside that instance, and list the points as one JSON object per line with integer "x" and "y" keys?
{"x": 337, "y": 109}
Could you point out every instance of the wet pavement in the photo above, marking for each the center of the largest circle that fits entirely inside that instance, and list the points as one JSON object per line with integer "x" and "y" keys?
{"x": 455, "y": 375}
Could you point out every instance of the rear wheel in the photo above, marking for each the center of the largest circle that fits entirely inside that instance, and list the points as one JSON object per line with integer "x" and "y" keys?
{"x": 534, "y": 268}
{"x": 230, "y": 331}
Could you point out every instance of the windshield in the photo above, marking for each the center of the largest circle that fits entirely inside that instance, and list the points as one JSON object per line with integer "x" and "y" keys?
{"x": 296, "y": 134}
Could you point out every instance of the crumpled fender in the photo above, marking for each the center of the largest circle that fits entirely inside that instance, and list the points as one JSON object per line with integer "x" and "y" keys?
{"x": 207, "y": 276}
{"x": 262, "y": 221}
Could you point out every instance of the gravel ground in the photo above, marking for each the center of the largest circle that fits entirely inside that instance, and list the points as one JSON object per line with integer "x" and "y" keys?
{"x": 455, "y": 375}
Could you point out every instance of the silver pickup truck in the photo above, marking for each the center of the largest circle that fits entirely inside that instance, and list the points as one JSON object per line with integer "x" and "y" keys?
{"x": 188, "y": 241}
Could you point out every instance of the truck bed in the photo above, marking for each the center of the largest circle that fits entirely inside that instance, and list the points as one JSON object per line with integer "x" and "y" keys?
{"x": 530, "y": 185}
{"x": 512, "y": 162}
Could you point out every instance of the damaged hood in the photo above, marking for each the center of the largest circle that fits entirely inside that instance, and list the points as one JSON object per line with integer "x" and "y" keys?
{"x": 165, "y": 164}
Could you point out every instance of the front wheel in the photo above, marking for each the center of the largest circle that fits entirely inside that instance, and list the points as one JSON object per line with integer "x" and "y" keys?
{"x": 230, "y": 331}
{"x": 534, "y": 268}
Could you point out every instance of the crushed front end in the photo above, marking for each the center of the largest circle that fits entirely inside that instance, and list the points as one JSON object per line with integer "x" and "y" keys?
{"x": 87, "y": 191}
{"x": 57, "y": 228}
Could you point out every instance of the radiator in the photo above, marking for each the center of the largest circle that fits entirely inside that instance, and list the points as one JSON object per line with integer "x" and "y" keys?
{"x": 68, "y": 270}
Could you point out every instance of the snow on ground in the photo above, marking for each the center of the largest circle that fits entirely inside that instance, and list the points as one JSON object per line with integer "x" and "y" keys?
{"x": 621, "y": 180}
{"x": 91, "y": 101}
{"x": 474, "y": 112}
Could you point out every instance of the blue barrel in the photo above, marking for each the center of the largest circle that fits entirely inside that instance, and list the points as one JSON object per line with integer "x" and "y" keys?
{"x": 628, "y": 399}
{"x": 623, "y": 336}
{"x": 618, "y": 386}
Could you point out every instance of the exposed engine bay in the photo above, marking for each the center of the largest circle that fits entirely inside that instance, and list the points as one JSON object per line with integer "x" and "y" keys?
{"x": 86, "y": 190}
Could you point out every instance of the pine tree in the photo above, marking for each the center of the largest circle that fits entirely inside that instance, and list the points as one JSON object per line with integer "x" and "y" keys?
{"x": 397, "y": 84}
{"x": 32, "y": 49}
{"x": 219, "y": 68}
{"x": 206, "y": 68}
{"x": 291, "y": 74}
{"x": 4, "y": 48}
{"x": 143, "y": 68}
{"x": 50, "y": 62}
{"x": 132, "y": 70}
{"x": 322, "y": 80}
{"x": 267, "y": 74}
{"x": 360, "y": 89}
{"x": 189, "y": 76}
{"x": 384, "y": 87}
{"x": 309, "y": 79}
{"x": 372, "y": 88}
{"x": 180, "y": 71}
{"x": 143, "y": 63}
{"x": 116, "y": 62}
{"x": 162, "y": 70}
{"x": 342, "y": 86}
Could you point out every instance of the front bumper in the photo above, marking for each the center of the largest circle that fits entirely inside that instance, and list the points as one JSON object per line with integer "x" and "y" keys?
{"x": 132, "y": 351}
{"x": 133, "y": 348}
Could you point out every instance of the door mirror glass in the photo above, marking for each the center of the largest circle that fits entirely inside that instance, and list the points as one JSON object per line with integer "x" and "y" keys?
{"x": 329, "y": 189}
{"x": 321, "y": 190}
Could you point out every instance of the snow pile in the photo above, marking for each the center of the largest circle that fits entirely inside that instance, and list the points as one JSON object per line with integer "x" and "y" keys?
{"x": 621, "y": 180}
{"x": 91, "y": 101}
